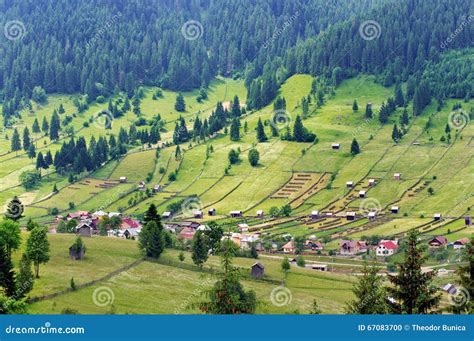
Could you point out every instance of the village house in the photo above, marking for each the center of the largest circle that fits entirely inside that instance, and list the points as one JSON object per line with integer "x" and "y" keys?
{"x": 460, "y": 243}
{"x": 351, "y": 247}
{"x": 257, "y": 270}
{"x": 437, "y": 242}
{"x": 84, "y": 229}
{"x": 131, "y": 233}
{"x": 129, "y": 223}
{"x": 243, "y": 227}
{"x": 99, "y": 214}
{"x": 450, "y": 289}
{"x": 235, "y": 214}
{"x": 186, "y": 233}
{"x": 313, "y": 245}
{"x": 78, "y": 215}
{"x": 289, "y": 247}
{"x": 386, "y": 248}
{"x": 166, "y": 215}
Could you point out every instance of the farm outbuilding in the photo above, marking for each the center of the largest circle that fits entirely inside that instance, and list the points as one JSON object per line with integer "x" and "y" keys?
{"x": 84, "y": 229}
{"x": 166, "y": 215}
{"x": 349, "y": 184}
{"x": 336, "y": 146}
{"x": 468, "y": 221}
{"x": 371, "y": 215}
{"x": 198, "y": 214}
{"x": 371, "y": 182}
{"x": 156, "y": 188}
{"x": 350, "y": 215}
{"x": 329, "y": 214}
{"x": 211, "y": 212}
{"x": 394, "y": 209}
{"x": 361, "y": 194}
{"x": 257, "y": 270}
{"x": 397, "y": 176}
{"x": 123, "y": 179}
{"x": 260, "y": 214}
{"x": 437, "y": 216}
{"x": 235, "y": 214}
{"x": 314, "y": 214}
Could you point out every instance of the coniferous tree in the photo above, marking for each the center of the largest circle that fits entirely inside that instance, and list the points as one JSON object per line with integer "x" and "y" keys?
{"x": 355, "y": 107}
{"x": 31, "y": 151}
{"x": 54, "y": 127}
{"x": 45, "y": 126}
{"x": 235, "y": 130}
{"x": 368, "y": 111}
{"x": 370, "y": 294}
{"x": 412, "y": 289}
{"x": 26, "y": 139}
{"x": 36, "y": 128}
{"x": 235, "y": 107}
{"x": 299, "y": 133}
{"x": 151, "y": 239}
{"x": 395, "y": 133}
{"x": 200, "y": 248}
{"x": 399, "y": 98}
{"x": 261, "y": 136}
{"x": 254, "y": 157}
{"x": 383, "y": 114}
{"x": 355, "y": 149}
{"x": 404, "y": 119}
{"x": 180, "y": 105}
{"x": 7, "y": 274}
{"x": 15, "y": 143}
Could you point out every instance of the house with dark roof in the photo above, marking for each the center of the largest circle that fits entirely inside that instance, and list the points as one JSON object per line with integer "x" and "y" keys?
{"x": 438, "y": 242}
{"x": 257, "y": 270}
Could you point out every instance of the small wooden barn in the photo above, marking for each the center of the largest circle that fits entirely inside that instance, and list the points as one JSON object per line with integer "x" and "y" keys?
{"x": 211, "y": 212}
{"x": 257, "y": 270}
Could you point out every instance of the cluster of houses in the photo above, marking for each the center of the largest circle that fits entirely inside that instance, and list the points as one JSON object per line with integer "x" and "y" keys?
{"x": 88, "y": 223}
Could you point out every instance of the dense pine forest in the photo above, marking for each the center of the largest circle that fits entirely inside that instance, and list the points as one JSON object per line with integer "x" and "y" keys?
{"x": 99, "y": 47}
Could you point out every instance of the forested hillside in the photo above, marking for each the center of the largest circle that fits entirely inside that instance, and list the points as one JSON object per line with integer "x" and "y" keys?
{"x": 98, "y": 47}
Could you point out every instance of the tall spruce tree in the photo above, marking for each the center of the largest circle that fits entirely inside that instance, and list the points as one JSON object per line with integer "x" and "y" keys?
{"x": 151, "y": 239}
{"x": 15, "y": 143}
{"x": 235, "y": 130}
{"x": 355, "y": 149}
{"x": 200, "y": 248}
{"x": 412, "y": 289}
{"x": 54, "y": 127}
{"x": 45, "y": 126}
{"x": 261, "y": 136}
{"x": 369, "y": 292}
{"x": 399, "y": 98}
{"x": 355, "y": 107}
{"x": 180, "y": 105}
{"x": 299, "y": 133}
{"x": 368, "y": 111}
{"x": 26, "y": 139}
